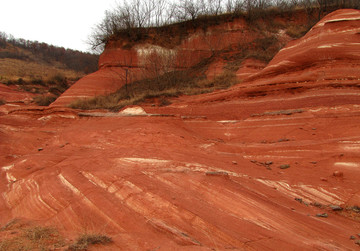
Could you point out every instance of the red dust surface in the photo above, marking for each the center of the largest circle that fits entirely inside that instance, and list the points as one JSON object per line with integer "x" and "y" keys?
{"x": 261, "y": 166}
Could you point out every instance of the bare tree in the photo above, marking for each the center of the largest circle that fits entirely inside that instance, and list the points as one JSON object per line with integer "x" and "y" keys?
{"x": 157, "y": 61}
{"x": 249, "y": 6}
{"x": 234, "y": 6}
{"x": 308, "y": 6}
{"x": 158, "y": 17}
{"x": 214, "y": 7}
{"x": 170, "y": 11}
{"x": 188, "y": 9}
{"x": 262, "y": 4}
{"x": 229, "y": 6}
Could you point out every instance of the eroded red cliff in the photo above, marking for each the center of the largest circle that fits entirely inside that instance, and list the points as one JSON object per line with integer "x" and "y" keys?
{"x": 119, "y": 64}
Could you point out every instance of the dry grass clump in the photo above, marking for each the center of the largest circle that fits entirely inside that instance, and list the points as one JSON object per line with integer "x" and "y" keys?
{"x": 85, "y": 240}
{"x": 44, "y": 100}
{"x": 116, "y": 101}
{"x": 21, "y": 235}
{"x": 110, "y": 102}
{"x": 38, "y": 234}
{"x": 34, "y": 238}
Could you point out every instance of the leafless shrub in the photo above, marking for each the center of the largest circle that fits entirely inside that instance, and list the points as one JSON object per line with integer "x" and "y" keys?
{"x": 235, "y": 6}
{"x": 85, "y": 240}
{"x": 44, "y": 100}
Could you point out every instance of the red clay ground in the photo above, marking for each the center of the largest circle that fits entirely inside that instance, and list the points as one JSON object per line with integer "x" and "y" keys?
{"x": 12, "y": 94}
{"x": 237, "y": 169}
{"x": 187, "y": 181}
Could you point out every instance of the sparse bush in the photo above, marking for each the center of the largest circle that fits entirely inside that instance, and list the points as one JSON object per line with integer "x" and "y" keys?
{"x": 85, "y": 240}
{"x": 44, "y": 100}
{"x": 10, "y": 82}
{"x": 58, "y": 78}
{"x": 58, "y": 83}
{"x": 2, "y": 43}
{"x": 38, "y": 81}
{"x": 20, "y": 81}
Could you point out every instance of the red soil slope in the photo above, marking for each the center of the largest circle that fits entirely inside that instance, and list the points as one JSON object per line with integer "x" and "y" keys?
{"x": 228, "y": 170}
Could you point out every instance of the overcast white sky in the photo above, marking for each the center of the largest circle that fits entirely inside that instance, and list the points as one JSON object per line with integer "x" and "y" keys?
{"x": 66, "y": 23}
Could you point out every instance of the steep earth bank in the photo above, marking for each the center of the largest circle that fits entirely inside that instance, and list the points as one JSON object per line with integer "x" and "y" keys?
{"x": 328, "y": 56}
{"x": 123, "y": 61}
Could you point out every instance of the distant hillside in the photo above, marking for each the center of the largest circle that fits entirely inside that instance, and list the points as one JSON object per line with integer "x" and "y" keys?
{"x": 44, "y": 70}
{"x": 20, "y": 58}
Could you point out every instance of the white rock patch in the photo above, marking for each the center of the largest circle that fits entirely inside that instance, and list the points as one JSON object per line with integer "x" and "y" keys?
{"x": 347, "y": 164}
{"x": 7, "y": 168}
{"x": 136, "y": 110}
